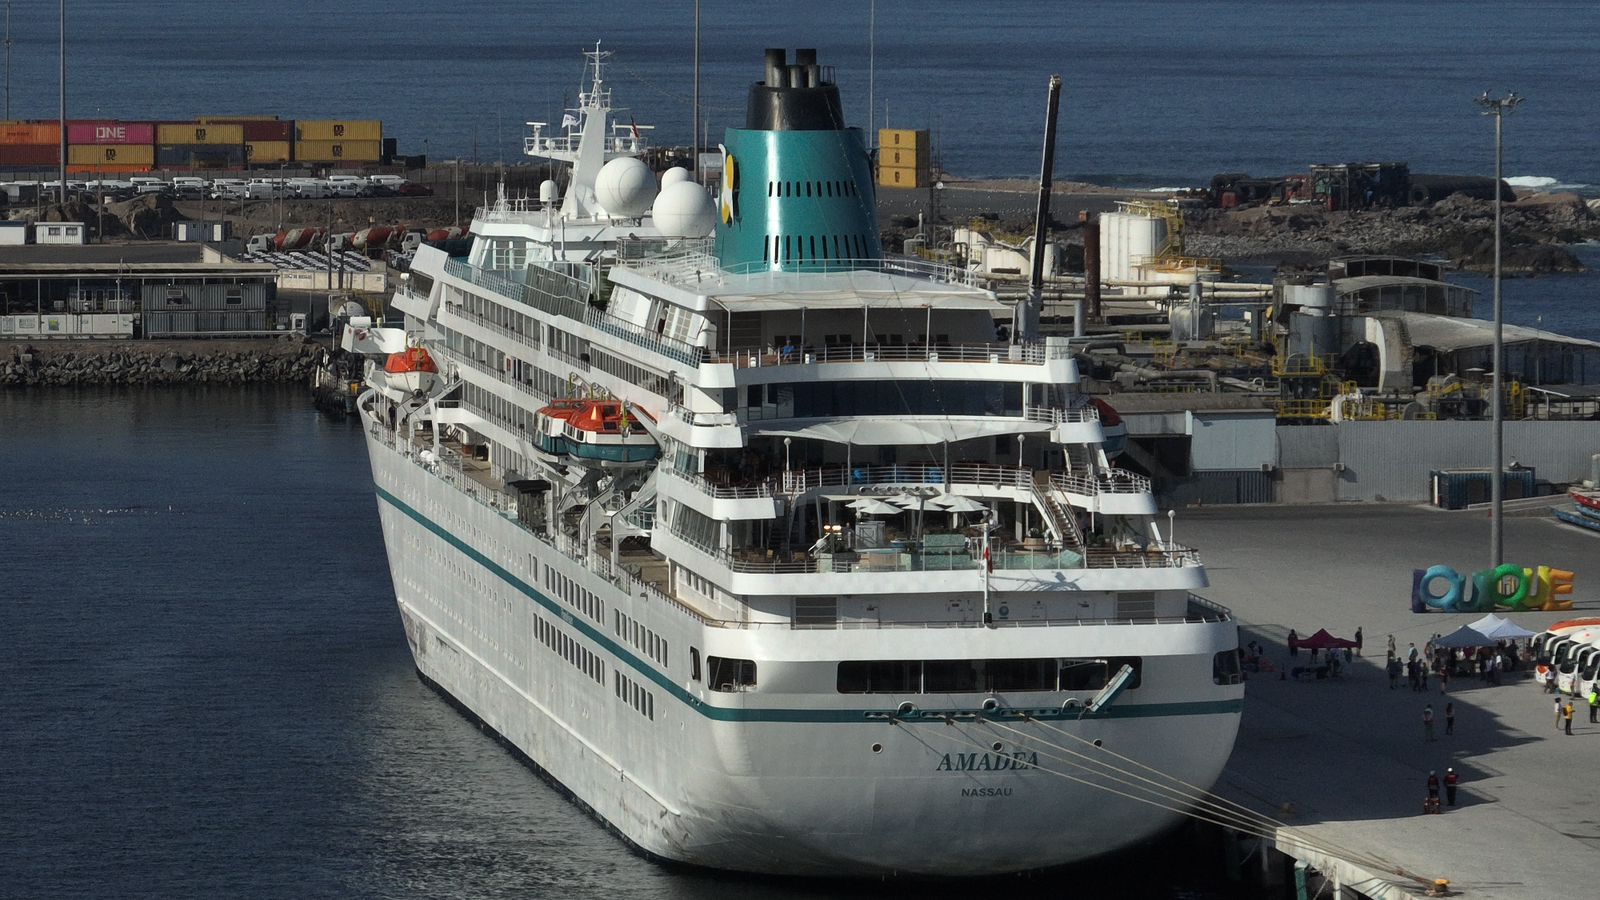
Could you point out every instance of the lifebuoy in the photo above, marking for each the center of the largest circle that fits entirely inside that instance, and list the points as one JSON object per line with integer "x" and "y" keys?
{"x": 1451, "y": 597}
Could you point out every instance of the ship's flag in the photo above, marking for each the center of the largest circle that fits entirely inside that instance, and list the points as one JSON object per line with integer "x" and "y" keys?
{"x": 568, "y": 120}
{"x": 634, "y": 128}
{"x": 988, "y": 561}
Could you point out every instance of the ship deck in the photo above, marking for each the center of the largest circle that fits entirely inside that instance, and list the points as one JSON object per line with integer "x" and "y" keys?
{"x": 1347, "y": 757}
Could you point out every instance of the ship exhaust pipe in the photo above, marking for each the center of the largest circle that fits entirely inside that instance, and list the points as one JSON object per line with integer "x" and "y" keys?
{"x": 777, "y": 63}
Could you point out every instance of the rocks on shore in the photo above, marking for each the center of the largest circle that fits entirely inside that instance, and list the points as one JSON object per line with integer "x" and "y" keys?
{"x": 60, "y": 363}
{"x": 1534, "y": 230}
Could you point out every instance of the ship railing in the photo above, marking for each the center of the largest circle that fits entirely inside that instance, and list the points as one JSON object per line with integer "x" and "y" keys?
{"x": 1113, "y": 481}
{"x": 693, "y": 263}
{"x": 722, "y": 491}
{"x": 1077, "y": 414}
{"x": 559, "y": 294}
{"x": 798, "y": 480}
{"x": 1032, "y": 353}
{"x": 530, "y": 340}
{"x": 514, "y": 210}
{"x": 702, "y": 418}
{"x": 461, "y": 359}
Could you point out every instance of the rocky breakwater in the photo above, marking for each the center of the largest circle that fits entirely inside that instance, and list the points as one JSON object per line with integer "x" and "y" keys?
{"x": 1536, "y": 229}
{"x": 97, "y": 362}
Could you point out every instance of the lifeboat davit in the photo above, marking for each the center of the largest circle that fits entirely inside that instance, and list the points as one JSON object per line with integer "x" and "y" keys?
{"x": 412, "y": 370}
{"x": 1116, "y": 431}
{"x": 601, "y": 432}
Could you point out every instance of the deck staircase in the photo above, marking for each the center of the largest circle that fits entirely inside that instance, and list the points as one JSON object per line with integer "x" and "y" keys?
{"x": 1063, "y": 524}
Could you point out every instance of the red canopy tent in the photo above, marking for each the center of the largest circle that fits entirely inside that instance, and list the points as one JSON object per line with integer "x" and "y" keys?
{"x": 1322, "y": 640}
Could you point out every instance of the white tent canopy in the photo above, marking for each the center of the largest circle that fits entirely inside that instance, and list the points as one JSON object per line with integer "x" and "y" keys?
{"x": 877, "y": 430}
{"x": 1464, "y": 637}
{"x": 1501, "y": 629}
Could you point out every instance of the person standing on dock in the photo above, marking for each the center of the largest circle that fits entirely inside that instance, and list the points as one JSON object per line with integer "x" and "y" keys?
{"x": 1433, "y": 793}
{"x": 1358, "y": 641}
{"x": 1294, "y": 643}
{"x": 1391, "y": 645}
{"x": 1569, "y": 717}
{"x": 1427, "y": 723}
{"x": 1450, "y": 720}
{"x": 1594, "y": 703}
{"x": 1394, "y": 672}
{"x": 1558, "y": 710}
{"x": 1450, "y": 787}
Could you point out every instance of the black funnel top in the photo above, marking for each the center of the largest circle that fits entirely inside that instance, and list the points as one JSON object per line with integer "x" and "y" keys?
{"x": 794, "y": 97}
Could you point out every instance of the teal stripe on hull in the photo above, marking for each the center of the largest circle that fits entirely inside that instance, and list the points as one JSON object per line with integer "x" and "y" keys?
{"x": 769, "y": 714}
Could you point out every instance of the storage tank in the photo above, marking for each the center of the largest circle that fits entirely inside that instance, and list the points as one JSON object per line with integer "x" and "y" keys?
{"x": 1126, "y": 237}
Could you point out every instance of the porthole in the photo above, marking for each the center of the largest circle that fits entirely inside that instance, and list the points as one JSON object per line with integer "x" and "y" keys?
{"x": 877, "y": 748}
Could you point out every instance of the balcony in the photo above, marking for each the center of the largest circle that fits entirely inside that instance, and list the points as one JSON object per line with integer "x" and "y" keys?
{"x": 559, "y": 294}
{"x": 1031, "y": 354}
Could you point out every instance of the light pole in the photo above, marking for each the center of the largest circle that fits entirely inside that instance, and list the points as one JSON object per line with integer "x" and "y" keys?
{"x": 63, "y": 102}
{"x": 1497, "y": 107}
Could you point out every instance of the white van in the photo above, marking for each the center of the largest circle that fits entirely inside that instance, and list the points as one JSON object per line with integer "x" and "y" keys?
{"x": 265, "y": 189}
{"x": 309, "y": 188}
{"x": 388, "y": 181}
{"x": 189, "y": 186}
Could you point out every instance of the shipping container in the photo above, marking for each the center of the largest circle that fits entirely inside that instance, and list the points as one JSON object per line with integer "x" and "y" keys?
{"x": 170, "y": 323}
{"x": 199, "y": 156}
{"x": 111, "y": 133}
{"x": 338, "y": 130}
{"x": 242, "y": 120}
{"x": 269, "y": 131}
{"x": 900, "y": 177}
{"x": 337, "y": 151}
{"x": 907, "y": 158}
{"x": 30, "y": 133}
{"x": 902, "y": 138}
{"x": 195, "y": 133}
{"x": 107, "y": 169}
{"x": 111, "y": 154}
{"x": 19, "y": 155}
{"x": 262, "y": 152}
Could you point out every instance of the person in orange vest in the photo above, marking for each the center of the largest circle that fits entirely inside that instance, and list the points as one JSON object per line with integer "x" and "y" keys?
{"x": 1450, "y": 787}
{"x": 1567, "y": 714}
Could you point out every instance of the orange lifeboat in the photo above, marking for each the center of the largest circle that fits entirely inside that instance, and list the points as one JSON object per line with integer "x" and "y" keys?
{"x": 412, "y": 369}
{"x": 600, "y": 431}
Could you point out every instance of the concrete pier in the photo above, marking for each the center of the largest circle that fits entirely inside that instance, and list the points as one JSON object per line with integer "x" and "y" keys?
{"x": 1345, "y": 761}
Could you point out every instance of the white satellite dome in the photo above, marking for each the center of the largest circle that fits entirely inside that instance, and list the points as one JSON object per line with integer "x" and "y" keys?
{"x": 549, "y": 191}
{"x": 673, "y": 176}
{"x": 625, "y": 187}
{"x": 684, "y": 209}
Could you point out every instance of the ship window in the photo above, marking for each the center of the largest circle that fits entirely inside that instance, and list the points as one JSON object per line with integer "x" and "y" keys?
{"x": 786, "y": 248}
{"x": 827, "y": 188}
{"x": 808, "y": 189}
{"x": 233, "y": 296}
{"x": 880, "y": 677}
{"x": 951, "y": 676}
{"x": 731, "y": 674}
{"x": 1225, "y": 668}
{"x": 1093, "y": 674}
{"x": 771, "y": 189}
{"x": 1021, "y": 674}
{"x": 694, "y": 663}
{"x": 836, "y": 247}
{"x": 813, "y": 240}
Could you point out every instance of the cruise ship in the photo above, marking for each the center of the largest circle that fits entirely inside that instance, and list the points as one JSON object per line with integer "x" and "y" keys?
{"x": 777, "y": 553}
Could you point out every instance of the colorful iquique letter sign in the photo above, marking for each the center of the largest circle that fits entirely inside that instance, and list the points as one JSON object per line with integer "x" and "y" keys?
{"x": 1507, "y": 587}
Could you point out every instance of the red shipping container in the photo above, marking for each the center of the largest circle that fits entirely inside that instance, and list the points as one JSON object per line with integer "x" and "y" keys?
{"x": 12, "y": 155}
{"x": 268, "y": 131}
{"x": 111, "y": 133}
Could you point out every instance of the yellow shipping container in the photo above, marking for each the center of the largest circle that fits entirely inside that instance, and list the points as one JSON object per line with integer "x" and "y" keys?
{"x": 224, "y": 120}
{"x": 903, "y": 138}
{"x": 196, "y": 133}
{"x": 338, "y": 151}
{"x": 916, "y": 157}
{"x": 111, "y": 155}
{"x": 330, "y": 130}
{"x": 901, "y": 177}
{"x": 27, "y": 133}
{"x": 258, "y": 152}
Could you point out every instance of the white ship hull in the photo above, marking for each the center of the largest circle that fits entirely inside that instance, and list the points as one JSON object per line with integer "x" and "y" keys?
{"x": 792, "y": 783}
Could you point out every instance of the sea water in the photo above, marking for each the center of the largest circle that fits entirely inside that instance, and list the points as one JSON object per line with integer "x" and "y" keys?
{"x": 206, "y": 692}
{"x": 1158, "y": 92}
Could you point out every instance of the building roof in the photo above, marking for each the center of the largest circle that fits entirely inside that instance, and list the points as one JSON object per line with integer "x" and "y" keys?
{"x": 1452, "y": 333}
{"x": 1354, "y": 284}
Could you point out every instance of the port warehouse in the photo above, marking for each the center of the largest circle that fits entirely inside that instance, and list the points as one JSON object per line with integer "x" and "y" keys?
{"x": 107, "y": 300}
{"x": 209, "y": 143}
